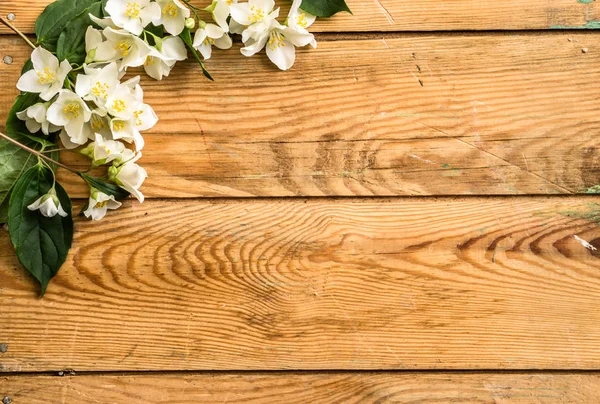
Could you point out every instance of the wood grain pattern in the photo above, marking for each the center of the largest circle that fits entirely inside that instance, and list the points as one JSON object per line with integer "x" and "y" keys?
{"x": 401, "y": 15}
{"x": 411, "y": 115}
{"x": 301, "y": 388}
{"x": 448, "y": 283}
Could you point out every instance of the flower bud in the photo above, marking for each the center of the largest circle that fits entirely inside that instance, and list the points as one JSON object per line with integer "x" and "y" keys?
{"x": 112, "y": 173}
{"x": 190, "y": 23}
{"x": 93, "y": 193}
{"x": 88, "y": 151}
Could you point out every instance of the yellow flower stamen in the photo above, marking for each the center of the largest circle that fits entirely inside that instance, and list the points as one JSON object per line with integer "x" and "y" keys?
{"x": 119, "y": 105}
{"x": 101, "y": 204}
{"x": 276, "y": 40}
{"x": 97, "y": 122}
{"x": 170, "y": 11}
{"x": 123, "y": 48}
{"x": 72, "y": 111}
{"x": 209, "y": 41}
{"x": 301, "y": 20}
{"x": 46, "y": 76}
{"x": 119, "y": 126}
{"x": 138, "y": 119}
{"x": 149, "y": 61}
{"x": 100, "y": 90}
{"x": 257, "y": 14}
{"x": 133, "y": 10}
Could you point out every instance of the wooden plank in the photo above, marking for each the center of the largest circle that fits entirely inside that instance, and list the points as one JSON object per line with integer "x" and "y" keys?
{"x": 448, "y": 283}
{"x": 301, "y": 388}
{"x": 410, "y": 115}
{"x": 399, "y": 15}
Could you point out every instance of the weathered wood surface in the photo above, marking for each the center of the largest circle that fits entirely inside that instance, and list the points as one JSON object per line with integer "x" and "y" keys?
{"x": 411, "y": 115}
{"x": 402, "y": 15}
{"x": 301, "y": 388}
{"x": 443, "y": 283}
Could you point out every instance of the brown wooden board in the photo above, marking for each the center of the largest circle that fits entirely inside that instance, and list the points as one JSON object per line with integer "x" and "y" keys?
{"x": 407, "y": 115}
{"x": 402, "y": 15}
{"x": 301, "y": 388}
{"x": 417, "y": 283}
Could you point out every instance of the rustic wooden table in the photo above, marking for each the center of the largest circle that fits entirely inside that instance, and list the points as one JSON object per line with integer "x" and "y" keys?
{"x": 401, "y": 217}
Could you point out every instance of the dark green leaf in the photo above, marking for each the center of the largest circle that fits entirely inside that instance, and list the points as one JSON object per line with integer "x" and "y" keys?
{"x": 13, "y": 159}
{"x": 55, "y": 18}
{"x": 106, "y": 187}
{"x": 187, "y": 39}
{"x": 71, "y": 42}
{"x": 159, "y": 31}
{"x": 27, "y": 66}
{"x": 324, "y": 8}
{"x": 44, "y": 142}
{"x": 14, "y": 125}
{"x": 41, "y": 243}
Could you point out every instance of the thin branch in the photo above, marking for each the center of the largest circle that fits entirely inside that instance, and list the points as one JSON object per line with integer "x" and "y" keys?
{"x": 16, "y": 30}
{"x": 37, "y": 153}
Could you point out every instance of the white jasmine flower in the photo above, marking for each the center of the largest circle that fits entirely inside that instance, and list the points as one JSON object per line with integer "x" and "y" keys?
{"x": 48, "y": 205}
{"x": 256, "y": 15}
{"x": 93, "y": 38}
{"x": 99, "y": 204}
{"x": 133, "y": 15}
{"x": 160, "y": 62}
{"x": 70, "y": 111}
{"x": 220, "y": 10}
{"x": 97, "y": 84}
{"x": 35, "y": 119}
{"x": 99, "y": 124}
{"x": 126, "y": 130}
{"x": 173, "y": 16}
{"x": 46, "y": 77}
{"x": 129, "y": 176}
{"x": 282, "y": 42}
{"x": 145, "y": 117}
{"x": 121, "y": 102}
{"x": 298, "y": 19}
{"x": 208, "y": 35}
{"x": 103, "y": 151}
{"x": 121, "y": 45}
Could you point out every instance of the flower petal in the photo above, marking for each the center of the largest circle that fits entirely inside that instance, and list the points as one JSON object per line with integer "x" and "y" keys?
{"x": 283, "y": 55}
{"x": 30, "y": 82}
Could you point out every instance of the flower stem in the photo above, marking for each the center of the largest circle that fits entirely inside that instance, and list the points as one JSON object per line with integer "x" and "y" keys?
{"x": 16, "y": 30}
{"x": 37, "y": 153}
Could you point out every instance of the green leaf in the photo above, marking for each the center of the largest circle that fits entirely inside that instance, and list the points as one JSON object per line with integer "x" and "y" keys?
{"x": 14, "y": 160}
{"x": 27, "y": 66}
{"x": 159, "y": 30}
{"x": 187, "y": 39}
{"x": 104, "y": 12}
{"x": 45, "y": 143}
{"x": 106, "y": 187}
{"x": 71, "y": 42}
{"x": 14, "y": 125}
{"x": 42, "y": 243}
{"x": 324, "y": 8}
{"x": 55, "y": 18}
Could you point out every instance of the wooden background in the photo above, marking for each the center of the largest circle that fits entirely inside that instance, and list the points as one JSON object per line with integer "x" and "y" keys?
{"x": 399, "y": 218}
